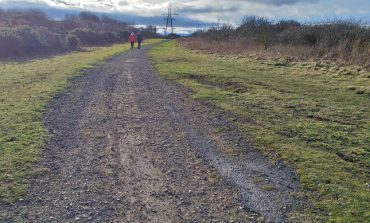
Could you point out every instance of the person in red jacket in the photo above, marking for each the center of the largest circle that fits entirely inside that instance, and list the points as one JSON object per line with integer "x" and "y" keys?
{"x": 132, "y": 40}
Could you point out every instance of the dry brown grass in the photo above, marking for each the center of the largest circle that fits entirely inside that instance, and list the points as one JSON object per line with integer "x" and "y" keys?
{"x": 280, "y": 52}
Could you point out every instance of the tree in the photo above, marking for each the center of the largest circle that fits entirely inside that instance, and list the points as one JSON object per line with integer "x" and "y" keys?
{"x": 89, "y": 16}
{"x": 259, "y": 29}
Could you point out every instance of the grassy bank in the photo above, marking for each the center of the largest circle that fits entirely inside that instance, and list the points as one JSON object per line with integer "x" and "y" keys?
{"x": 312, "y": 115}
{"x": 25, "y": 89}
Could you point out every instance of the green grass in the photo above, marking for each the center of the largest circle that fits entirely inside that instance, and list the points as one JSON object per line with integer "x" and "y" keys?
{"x": 313, "y": 115}
{"x": 25, "y": 89}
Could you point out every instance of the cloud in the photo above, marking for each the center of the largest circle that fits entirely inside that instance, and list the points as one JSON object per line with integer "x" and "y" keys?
{"x": 66, "y": 3}
{"x": 280, "y": 2}
{"x": 203, "y": 12}
{"x": 208, "y": 9}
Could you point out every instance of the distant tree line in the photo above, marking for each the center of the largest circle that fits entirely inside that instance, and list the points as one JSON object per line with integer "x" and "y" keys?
{"x": 30, "y": 32}
{"x": 337, "y": 36}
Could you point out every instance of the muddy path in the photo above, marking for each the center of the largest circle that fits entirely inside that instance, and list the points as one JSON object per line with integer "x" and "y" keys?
{"x": 127, "y": 146}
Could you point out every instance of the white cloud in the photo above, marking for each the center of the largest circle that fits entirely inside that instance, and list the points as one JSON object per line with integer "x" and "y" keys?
{"x": 230, "y": 11}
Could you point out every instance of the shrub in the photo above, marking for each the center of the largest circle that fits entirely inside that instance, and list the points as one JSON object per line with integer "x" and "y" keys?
{"x": 20, "y": 40}
{"x": 110, "y": 37}
{"x": 10, "y": 45}
{"x": 70, "y": 22}
{"x": 88, "y": 16}
{"x": 35, "y": 17}
{"x": 31, "y": 39}
{"x": 31, "y": 32}
{"x": 149, "y": 32}
{"x": 347, "y": 40}
{"x": 89, "y": 37}
{"x": 2, "y": 14}
{"x": 52, "y": 41}
{"x": 258, "y": 29}
{"x": 123, "y": 35}
{"x": 73, "y": 42}
{"x": 290, "y": 36}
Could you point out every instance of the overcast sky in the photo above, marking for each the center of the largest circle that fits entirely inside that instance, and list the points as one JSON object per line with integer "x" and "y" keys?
{"x": 193, "y": 13}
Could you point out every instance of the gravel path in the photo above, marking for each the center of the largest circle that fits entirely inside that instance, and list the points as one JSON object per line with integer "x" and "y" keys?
{"x": 127, "y": 146}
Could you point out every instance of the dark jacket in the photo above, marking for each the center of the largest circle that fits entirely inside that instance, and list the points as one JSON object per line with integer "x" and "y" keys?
{"x": 140, "y": 38}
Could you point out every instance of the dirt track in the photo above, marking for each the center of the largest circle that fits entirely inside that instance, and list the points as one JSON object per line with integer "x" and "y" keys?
{"x": 127, "y": 146}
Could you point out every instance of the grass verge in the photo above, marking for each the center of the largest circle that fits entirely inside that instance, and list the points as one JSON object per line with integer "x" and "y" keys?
{"x": 25, "y": 89}
{"x": 314, "y": 116}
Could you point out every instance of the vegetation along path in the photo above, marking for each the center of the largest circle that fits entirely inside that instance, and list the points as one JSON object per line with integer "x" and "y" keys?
{"x": 313, "y": 115}
{"x": 128, "y": 146}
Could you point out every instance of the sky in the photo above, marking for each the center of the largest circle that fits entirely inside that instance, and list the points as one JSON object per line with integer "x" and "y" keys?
{"x": 202, "y": 13}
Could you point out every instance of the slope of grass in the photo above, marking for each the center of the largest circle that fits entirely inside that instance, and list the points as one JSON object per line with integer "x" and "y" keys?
{"x": 314, "y": 116}
{"x": 25, "y": 89}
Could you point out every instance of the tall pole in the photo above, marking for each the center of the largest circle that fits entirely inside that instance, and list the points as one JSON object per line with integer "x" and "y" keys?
{"x": 169, "y": 19}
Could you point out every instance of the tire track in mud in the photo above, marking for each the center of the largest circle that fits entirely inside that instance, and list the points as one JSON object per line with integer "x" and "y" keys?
{"x": 127, "y": 146}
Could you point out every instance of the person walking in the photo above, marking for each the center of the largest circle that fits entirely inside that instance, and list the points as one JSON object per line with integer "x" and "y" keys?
{"x": 132, "y": 40}
{"x": 140, "y": 39}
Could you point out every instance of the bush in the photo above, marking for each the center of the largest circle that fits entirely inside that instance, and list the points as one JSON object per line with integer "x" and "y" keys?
{"x": 89, "y": 37}
{"x": 31, "y": 39}
{"x": 36, "y": 17}
{"x": 20, "y": 40}
{"x": 110, "y": 37}
{"x": 10, "y": 45}
{"x": 88, "y": 16}
{"x": 123, "y": 35}
{"x": 258, "y": 29}
{"x": 73, "y": 42}
{"x": 347, "y": 34}
{"x": 52, "y": 41}
{"x": 290, "y": 36}
{"x": 347, "y": 40}
{"x": 31, "y": 32}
